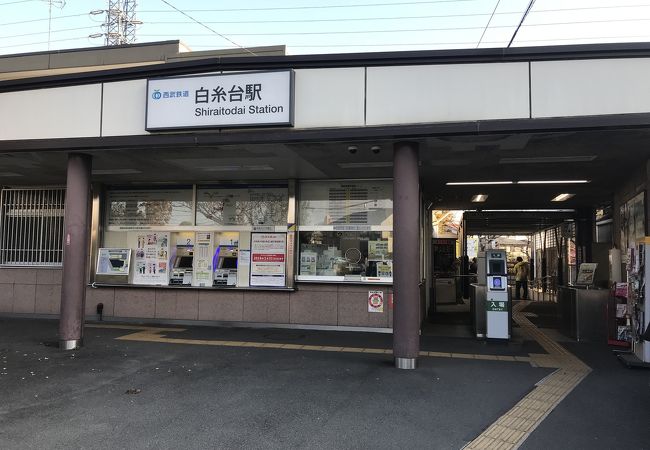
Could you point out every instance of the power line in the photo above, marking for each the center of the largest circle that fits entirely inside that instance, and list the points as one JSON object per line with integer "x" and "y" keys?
{"x": 339, "y": 19}
{"x": 488, "y": 24}
{"x": 413, "y": 44}
{"x": 44, "y": 42}
{"x": 46, "y": 32}
{"x": 284, "y": 8}
{"x": 530, "y": 5}
{"x": 307, "y": 33}
{"x": 17, "y": 1}
{"x": 207, "y": 27}
{"x": 41, "y": 20}
{"x": 401, "y": 44}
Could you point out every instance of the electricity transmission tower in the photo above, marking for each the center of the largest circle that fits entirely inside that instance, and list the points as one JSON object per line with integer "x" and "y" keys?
{"x": 119, "y": 27}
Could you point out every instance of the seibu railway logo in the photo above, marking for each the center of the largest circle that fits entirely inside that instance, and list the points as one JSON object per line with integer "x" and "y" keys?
{"x": 268, "y": 257}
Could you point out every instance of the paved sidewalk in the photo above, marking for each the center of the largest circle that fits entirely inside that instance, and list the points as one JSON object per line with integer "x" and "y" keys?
{"x": 229, "y": 396}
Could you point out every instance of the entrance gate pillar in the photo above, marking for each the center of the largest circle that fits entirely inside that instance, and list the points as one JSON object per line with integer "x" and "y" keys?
{"x": 406, "y": 255}
{"x": 75, "y": 251}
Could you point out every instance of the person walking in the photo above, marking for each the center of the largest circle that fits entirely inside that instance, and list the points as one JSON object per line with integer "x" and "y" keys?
{"x": 521, "y": 278}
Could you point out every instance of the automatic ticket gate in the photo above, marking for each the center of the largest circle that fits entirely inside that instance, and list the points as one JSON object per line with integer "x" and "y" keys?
{"x": 497, "y": 302}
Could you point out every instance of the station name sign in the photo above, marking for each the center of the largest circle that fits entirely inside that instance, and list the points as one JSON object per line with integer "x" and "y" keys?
{"x": 219, "y": 101}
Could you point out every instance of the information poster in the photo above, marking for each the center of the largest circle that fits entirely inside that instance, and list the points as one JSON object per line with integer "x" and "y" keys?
{"x": 376, "y": 301}
{"x": 151, "y": 265}
{"x": 268, "y": 259}
{"x": 113, "y": 261}
{"x": 203, "y": 269}
{"x": 586, "y": 273}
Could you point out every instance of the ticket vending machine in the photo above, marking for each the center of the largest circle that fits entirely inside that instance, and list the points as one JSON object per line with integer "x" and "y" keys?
{"x": 497, "y": 306}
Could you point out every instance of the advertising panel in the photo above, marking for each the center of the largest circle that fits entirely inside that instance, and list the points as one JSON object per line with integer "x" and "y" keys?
{"x": 231, "y": 100}
{"x": 113, "y": 261}
{"x": 151, "y": 264}
{"x": 202, "y": 259}
{"x": 268, "y": 259}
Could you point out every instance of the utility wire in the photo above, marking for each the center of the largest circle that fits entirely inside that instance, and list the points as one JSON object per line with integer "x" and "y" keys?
{"x": 488, "y": 23}
{"x": 340, "y": 19}
{"x": 278, "y": 8}
{"x": 47, "y": 32}
{"x": 18, "y": 1}
{"x": 42, "y": 20}
{"x": 44, "y": 42}
{"x": 207, "y": 27}
{"x": 401, "y": 44}
{"x": 308, "y": 33}
{"x": 530, "y": 5}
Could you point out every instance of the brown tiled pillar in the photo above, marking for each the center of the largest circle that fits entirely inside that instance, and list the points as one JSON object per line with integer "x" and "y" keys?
{"x": 75, "y": 251}
{"x": 406, "y": 254}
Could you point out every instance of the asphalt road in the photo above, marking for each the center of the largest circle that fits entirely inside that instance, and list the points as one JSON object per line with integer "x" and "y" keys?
{"x": 140, "y": 395}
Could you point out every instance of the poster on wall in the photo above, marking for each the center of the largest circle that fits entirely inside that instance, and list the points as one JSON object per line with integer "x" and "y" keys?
{"x": 113, "y": 261}
{"x": 376, "y": 301}
{"x": 202, "y": 259}
{"x": 268, "y": 259}
{"x": 151, "y": 264}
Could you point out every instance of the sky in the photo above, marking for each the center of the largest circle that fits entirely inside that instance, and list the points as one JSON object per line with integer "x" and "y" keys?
{"x": 328, "y": 26}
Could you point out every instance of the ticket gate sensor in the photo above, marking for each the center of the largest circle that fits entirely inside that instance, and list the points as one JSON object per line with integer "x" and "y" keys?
{"x": 497, "y": 306}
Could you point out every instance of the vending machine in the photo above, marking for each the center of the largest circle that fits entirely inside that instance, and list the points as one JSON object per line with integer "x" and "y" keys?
{"x": 497, "y": 304}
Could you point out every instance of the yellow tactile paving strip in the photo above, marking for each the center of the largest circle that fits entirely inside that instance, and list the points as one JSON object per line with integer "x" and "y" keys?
{"x": 512, "y": 429}
{"x": 153, "y": 334}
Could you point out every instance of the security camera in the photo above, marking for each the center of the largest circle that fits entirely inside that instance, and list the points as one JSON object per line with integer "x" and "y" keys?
{"x": 375, "y": 149}
{"x": 352, "y": 149}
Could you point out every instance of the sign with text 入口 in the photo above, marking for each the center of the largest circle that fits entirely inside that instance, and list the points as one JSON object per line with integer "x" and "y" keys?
{"x": 215, "y": 101}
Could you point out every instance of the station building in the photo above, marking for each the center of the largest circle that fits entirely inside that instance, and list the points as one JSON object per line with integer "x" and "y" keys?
{"x": 209, "y": 187}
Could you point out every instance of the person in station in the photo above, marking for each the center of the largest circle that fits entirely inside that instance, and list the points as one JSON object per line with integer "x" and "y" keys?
{"x": 521, "y": 278}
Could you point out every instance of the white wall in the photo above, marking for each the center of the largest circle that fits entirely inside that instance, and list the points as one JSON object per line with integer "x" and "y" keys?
{"x": 124, "y": 108}
{"x": 357, "y": 97}
{"x": 590, "y": 87}
{"x": 66, "y": 112}
{"x": 329, "y": 97}
{"x": 443, "y": 93}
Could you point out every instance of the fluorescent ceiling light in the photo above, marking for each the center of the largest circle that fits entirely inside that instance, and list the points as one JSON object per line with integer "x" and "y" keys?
{"x": 365, "y": 165}
{"x": 553, "y": 182}
{"x": 260, "y": 167}
{"x": 528, "y": 210}
{"x": 10, "y": 174}
{"x": 477, "y": 183}
{"x": 547, "y": 159}
{"x": 562, "y": 197}
{"x": 115, "y": 171}
{"x": 479, "y": 198}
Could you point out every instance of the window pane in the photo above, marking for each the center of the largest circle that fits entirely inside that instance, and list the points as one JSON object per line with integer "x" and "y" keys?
{"x": 153, "y": 207}
{"x": 332, "y": 253}
{"x": 32, "y": 226}
{"x": 242, "y": 205}
{"x": 351, "y": 203}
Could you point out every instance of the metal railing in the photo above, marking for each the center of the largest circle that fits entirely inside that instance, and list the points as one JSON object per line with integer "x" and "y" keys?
{"x": 543, "y": 289}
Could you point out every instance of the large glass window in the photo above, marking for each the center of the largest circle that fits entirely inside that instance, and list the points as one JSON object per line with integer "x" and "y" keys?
{"x": 150, "y": 207}
{"x": 251, "y": 205}
{"x": 202, "y": 236}
{"x": 345, "y": 231}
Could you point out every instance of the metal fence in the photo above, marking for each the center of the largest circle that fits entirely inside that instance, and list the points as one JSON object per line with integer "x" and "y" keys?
{"x": 31, "y": 226}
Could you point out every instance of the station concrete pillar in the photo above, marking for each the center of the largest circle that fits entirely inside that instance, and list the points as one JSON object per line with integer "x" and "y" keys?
{"x": 406, "y": 255}
{"x": 75, "y": 251}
